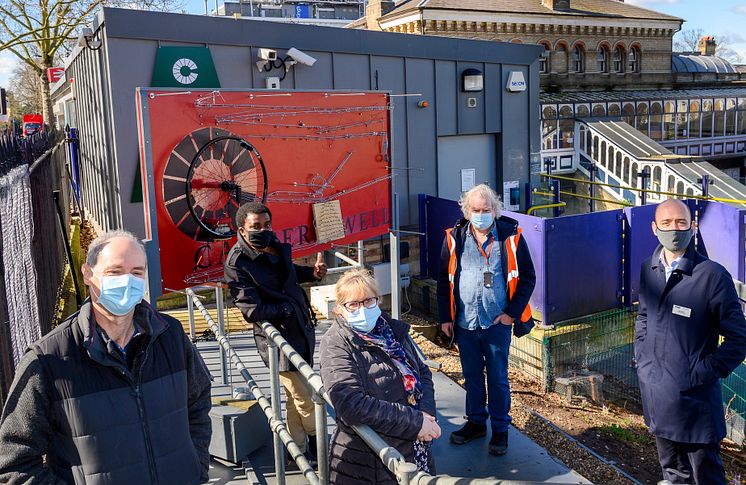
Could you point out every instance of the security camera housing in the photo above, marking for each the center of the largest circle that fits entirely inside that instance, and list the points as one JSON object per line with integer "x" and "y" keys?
{"x": 267, "y": 54}
{"x": 301, "y": 57}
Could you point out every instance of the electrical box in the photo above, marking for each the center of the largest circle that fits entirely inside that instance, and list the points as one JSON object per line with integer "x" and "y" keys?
{"x": 273, "y": 83}
{"x": 382, "y": 275}
{"x": 238, "y": 431}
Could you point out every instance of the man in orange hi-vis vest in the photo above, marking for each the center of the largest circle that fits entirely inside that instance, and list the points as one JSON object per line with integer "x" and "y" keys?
{"x": 485, "y": 282}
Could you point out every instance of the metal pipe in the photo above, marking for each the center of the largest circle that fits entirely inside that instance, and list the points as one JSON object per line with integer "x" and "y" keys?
{"x": 394, "y": 250}
{"x": 545, "y": 206}
{"x": 221, "y": 327}
{"x": 346, "y": 259}
{"x": 190, "y": 308}
{"x": 274, "y": 389}
{"x": 592, "y": 188}
{"x": 581, "y": 196}
{"x": 276, "y": 426}
{"x": 322, "y": 438}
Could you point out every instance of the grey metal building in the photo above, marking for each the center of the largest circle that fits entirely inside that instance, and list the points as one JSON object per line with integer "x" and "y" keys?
{"x": 493, "y": 130}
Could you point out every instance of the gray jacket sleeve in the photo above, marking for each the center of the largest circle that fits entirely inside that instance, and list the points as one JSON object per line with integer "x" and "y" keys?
{"x": 26, "y": 426}
{"x": 198, "y": 399}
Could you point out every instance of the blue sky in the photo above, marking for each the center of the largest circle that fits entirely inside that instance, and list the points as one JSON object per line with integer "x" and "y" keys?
{"x": 714, "y": 17}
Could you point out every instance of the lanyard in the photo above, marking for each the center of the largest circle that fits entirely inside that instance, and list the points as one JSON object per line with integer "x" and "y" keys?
{"x": 484, "y": 254}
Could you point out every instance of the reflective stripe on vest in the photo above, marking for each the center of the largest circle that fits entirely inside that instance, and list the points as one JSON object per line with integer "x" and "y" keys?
{"x": 511, "y": 248}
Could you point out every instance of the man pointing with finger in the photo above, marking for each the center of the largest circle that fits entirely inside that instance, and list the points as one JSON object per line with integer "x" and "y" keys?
{"x": 264, "y": 284}
{"x": 485, "y": 282}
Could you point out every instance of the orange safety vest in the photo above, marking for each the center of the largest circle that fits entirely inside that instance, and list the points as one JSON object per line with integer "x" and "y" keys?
{"x": 511, "y": 247}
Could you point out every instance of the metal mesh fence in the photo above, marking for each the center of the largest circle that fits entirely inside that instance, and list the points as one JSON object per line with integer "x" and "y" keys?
{"x": 593, "y": 357}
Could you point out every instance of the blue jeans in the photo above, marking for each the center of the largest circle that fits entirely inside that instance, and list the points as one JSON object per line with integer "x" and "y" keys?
{"x": 480, "y": 348}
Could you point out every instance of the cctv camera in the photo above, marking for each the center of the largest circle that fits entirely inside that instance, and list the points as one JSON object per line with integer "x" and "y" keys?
{"x": 86, "y": 35}
{"x": 301, "y": 57}
{"x": 268, "y": 54}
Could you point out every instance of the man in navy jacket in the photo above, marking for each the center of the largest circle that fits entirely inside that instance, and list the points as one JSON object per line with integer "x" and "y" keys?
{"x": 687, "y": 302}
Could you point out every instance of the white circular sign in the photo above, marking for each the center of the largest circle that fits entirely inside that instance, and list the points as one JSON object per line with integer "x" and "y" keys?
{"x": 185, "y": 71}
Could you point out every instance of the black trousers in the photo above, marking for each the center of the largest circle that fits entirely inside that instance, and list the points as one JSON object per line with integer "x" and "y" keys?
{"x": 690, "y": 463}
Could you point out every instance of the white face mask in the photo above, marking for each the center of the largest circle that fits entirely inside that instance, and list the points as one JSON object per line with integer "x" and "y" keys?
{"x": 364, "y": 319}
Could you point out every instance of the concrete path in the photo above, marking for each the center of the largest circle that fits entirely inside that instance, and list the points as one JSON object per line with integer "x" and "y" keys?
{"x": 525, "y": 460}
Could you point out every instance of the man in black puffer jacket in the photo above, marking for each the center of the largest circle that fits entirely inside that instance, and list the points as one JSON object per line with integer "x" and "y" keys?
{"x": 116, "y": 394}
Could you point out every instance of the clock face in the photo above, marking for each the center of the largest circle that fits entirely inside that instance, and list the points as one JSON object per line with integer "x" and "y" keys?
{"x": 207, "y": 175}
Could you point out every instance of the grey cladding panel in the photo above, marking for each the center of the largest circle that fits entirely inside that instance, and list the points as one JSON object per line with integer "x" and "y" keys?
{"x": 446, "y": 83}
{"x": 470, "y": 120}
{"x": 318, "y": 76}
{"x": 516, "y": 130}
{"x": 351, "y": 71}
{"x": 234, "y": 60}
{"x": 420, "y": 129}
{"x": 493, "y": 89}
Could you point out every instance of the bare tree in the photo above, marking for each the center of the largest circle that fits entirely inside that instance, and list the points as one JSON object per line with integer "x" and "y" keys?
{"x": 687, "y": 40}
{"x": 38, "y": 30}
{"x": 25, "y": 91}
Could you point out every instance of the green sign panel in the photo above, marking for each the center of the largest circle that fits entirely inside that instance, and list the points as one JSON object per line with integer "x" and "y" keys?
{"x": 184, "y": 67}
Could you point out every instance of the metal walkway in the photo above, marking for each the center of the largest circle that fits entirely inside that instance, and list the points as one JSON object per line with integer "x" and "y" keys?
{"x": 525, "y": 459}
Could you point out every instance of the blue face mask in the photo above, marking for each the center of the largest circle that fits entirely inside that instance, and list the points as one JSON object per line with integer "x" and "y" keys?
{"x": 482, "y": 221}
{"x": 364, "y": 320}
{"x": 120, "y": 294}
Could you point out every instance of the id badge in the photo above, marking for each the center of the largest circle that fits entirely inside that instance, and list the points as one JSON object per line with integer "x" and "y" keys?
{"x": 488, "y": 279}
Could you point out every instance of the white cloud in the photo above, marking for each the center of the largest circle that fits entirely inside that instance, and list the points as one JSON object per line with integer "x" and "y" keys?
{"x": 7, "y": 64}
{"x": 740, "y": 9}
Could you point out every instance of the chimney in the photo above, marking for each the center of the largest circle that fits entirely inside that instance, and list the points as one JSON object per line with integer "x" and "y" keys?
{"x": 374, "y": 10}
{"x": 556, "y": 4}
{"x": 707, "y": 45}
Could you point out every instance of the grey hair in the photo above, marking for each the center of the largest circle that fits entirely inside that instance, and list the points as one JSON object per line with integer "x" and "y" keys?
{"x": 98, "y": 244}
{"x": 482, "y": 190}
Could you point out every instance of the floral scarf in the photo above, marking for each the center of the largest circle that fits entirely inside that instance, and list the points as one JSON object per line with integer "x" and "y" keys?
{"x": 383, "y": 337}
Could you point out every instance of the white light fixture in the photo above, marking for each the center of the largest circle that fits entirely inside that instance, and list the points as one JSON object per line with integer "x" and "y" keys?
{"x": 472, "y": 80}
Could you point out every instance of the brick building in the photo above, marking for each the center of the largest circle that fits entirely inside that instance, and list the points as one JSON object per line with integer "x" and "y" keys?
{"x": 589, "y": 44}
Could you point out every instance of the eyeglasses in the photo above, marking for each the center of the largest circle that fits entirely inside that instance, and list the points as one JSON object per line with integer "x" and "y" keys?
{"x": 353, "y": 306}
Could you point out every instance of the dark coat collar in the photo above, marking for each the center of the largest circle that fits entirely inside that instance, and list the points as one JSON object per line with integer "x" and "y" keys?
{"x": 253, "y": 254}
{"x": 145, "y": 317}
{"x": 687, "y": 262}
{"x": 506, "y": 227}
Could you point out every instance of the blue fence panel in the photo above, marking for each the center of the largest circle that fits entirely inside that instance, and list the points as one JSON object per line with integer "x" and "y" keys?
{"x": 533, "y": 231}
{"x": 583, "y": 265}
{"x": 436, "y": 215}
{"x": 721, "y": 233}
{"x": 640, "y": 241}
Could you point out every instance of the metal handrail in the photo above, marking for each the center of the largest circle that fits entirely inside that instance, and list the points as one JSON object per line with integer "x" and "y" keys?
{"x": 406, "y": 472}
{"x": 545, "y": 206}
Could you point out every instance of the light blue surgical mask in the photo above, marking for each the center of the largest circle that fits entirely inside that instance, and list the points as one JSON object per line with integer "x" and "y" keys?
{"x": 482, "y": 221}
{"x": 364, "y": 320}
{"x": 120, "y": 294}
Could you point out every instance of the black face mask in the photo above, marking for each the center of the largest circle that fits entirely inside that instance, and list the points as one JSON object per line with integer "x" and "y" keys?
{"x": 260, "y": 239}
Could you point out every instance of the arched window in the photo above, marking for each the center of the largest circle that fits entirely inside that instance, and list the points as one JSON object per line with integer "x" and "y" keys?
{"x": 633, "y": 60}
{"x": 680, "y": 190}
{"x": 560, "y": 58}
{"x": 599, "y": 111}
{"x": 566, "y": 127}
{"x": 633, "y": 173}
{"x": 610, "y": 158}
{"x": 545, "y": 58}
{"x": 689, "y": 191}
{"x": 603, "y": 153}
{"x": 602, "y": 59}
{"x": 594, "y": 155}
{"x": 642, "y": 117}
{"x": 619, "y": 59}
{"x": 671, "y": 183}
{"x": 625, "y": 170}
{"x": 581, "y": 111}
{"x": 581, "y": 134}
{"x": 614, "y": 110}
{"x": 588, "y": 141}
{"x": 549, "y": 127}
{"x": 656, "y": 121}
{"x": 657, "y": 174}
{"x": 618, "y": 168}
{"x": 629, "y": 113}
{"x": 578, "y": 59}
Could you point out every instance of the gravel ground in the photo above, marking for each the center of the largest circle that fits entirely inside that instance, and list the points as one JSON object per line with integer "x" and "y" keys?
{"x": 616, "y": 434}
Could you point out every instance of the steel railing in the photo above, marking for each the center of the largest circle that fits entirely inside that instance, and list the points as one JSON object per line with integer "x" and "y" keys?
{"x": 405, "y": 472}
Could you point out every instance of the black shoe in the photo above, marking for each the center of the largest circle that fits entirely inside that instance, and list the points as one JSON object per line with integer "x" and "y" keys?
{"x": 468, "y": 432}
{"x": 499, "y": 443}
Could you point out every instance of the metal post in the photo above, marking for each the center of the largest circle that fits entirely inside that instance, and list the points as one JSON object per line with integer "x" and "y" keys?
{"x": 592, "y": 189}
{"x": 405, "y": 471}
{"x": 274, "y": 387}
{"x": 361, "y": 253}
{"x": 394, "y": 248}
{"x": 221, "y": 326}
{"x": 556, "y": 199}
{"x": 705, "y": 185}
{"x": 644, "y": 185}
{"x": 190, "y": 308}
{"x": 322, "y": 438}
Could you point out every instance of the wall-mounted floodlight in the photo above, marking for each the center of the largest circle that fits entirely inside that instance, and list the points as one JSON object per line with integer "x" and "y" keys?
{"x": 472, "y": 80}
{"x": 86, "y": 39}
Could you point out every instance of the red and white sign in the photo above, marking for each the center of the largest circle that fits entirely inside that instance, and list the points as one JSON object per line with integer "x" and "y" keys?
{"x": 54, "y": 74}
